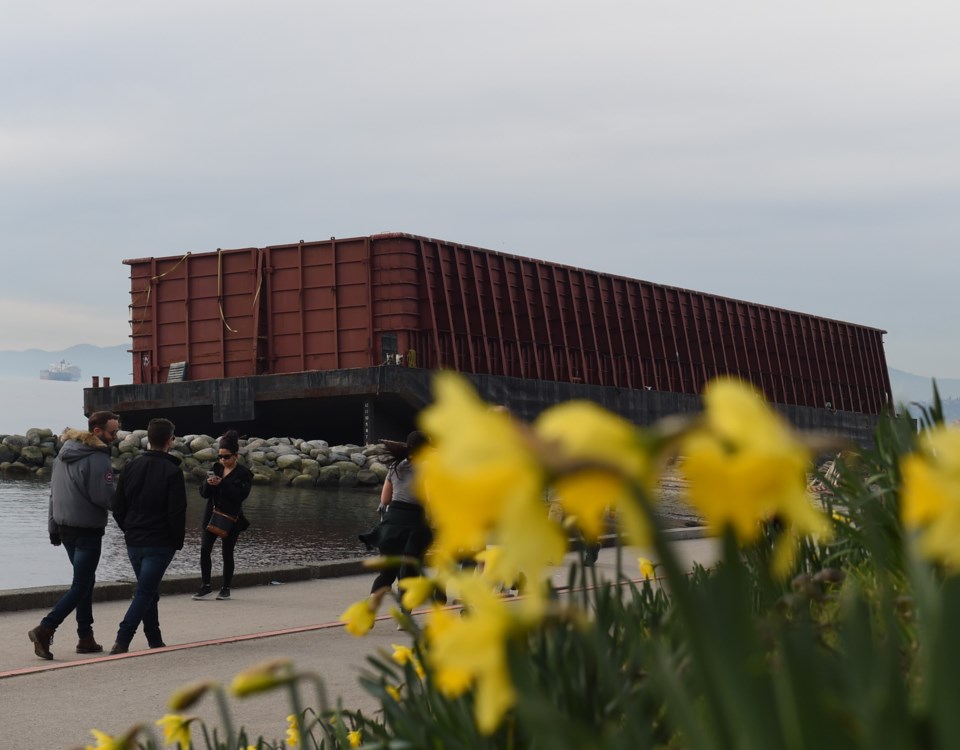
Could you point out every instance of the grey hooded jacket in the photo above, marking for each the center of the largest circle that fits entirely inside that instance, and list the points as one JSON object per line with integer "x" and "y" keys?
{"x": 82, "y": 484}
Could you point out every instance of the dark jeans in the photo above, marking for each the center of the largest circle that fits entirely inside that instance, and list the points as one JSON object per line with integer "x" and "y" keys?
{"x": 84, "y": 554}
{"x": 149, "y": 565}
{"x": 226, "y": 544}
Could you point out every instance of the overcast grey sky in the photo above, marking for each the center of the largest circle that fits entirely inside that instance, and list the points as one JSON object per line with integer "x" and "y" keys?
{"x": 803, "y": 155}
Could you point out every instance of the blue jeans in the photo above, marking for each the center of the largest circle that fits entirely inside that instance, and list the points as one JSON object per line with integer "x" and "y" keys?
{"x": 84, "y": 554}
{"x": 149, "y": 565}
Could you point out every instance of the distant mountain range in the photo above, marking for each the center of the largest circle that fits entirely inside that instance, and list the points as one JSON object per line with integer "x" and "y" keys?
{"x": 105, "y": 361}
{"x": 909, "y": 387}
{"x": 114, "y": 362}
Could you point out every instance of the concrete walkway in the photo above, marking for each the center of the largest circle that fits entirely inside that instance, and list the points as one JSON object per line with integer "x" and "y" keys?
{"x": 54, "y": 704}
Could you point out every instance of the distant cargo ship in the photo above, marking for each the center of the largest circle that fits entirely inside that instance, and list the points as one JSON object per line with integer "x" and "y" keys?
{"x": 62, "y": 370}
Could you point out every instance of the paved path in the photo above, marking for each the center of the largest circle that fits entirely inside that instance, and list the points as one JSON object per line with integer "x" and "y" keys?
{"x": 54, "y": 704}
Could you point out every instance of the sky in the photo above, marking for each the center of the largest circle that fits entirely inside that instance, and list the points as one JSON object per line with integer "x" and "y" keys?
{"x": 799, "y": 155}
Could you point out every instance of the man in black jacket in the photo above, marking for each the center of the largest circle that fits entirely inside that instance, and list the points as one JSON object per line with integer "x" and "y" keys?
{"x": 150, "y": 506}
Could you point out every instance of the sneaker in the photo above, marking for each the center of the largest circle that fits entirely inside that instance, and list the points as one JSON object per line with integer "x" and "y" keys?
{"x": 224, "y": 593}
{"x": 204, "y": 592}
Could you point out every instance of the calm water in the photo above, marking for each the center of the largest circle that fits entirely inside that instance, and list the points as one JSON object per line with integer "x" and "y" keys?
{"x": 288, "y": 526}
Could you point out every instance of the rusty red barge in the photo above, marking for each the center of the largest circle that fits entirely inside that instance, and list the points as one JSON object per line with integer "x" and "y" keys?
{"x": 338, "y": 339}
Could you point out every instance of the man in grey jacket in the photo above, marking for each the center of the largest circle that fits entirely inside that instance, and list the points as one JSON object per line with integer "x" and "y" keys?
{"x": 81, "y": 489}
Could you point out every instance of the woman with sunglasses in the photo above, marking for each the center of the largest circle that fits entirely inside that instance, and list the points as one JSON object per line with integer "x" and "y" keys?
{"x": 225, "y": 490}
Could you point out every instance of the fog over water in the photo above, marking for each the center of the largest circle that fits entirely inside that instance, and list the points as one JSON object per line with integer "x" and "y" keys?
{"x": 31, "y": 402}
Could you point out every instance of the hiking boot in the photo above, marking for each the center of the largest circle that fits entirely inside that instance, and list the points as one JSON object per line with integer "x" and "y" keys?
{"x": 155, "y": 640}
{"x": 224, "y": 593}
{"x": 204, "y": 592}
{"x": 42, "y": 637}
{"x": 87, "y": 645}
{"x": 119, "y": 648}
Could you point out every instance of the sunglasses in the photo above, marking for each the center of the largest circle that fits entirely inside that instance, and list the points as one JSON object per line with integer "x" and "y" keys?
{"x": 225, "y": 456}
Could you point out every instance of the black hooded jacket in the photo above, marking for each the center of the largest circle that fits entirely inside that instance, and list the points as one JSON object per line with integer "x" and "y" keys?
{"x": 150, "y": 504}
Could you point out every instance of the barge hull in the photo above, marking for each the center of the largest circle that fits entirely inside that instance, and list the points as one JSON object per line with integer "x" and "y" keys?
{"x": 364, "y": 405}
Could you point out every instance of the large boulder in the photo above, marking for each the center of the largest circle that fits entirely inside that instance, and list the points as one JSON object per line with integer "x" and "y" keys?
{"x": 379, "y": 469}
{"x": 16, "y": 469}
{"x": 31, "y": 455}
{"x": 15, "y": 443}
{"x": 263, "y": 474}
{"x": 348, "y": 480}
{"x": 205, "y": 454}
{"x": 304, "y": 480}
{"x": 36, "y": 435}
{"x": 359, "y": 459}
{"x": 130, "y": 444}
{"x": 367, "y": 477}
{"x": 289, "y": 461}
{"x": 200, "y": 443}
{"x": 7, "y": 454}
{"x": 346, "y": 467}
{"x": 328, "y": 476}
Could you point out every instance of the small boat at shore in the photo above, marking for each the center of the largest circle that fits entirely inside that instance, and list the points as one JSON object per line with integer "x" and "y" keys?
{"x": 61, "y": 370}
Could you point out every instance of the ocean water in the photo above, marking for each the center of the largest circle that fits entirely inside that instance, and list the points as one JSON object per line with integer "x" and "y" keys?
{"x": 289, "y": 526}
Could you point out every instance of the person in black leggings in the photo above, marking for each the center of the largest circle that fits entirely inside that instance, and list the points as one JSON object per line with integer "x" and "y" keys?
{"x": 404, "y": 529}
{"x": 225, "y": 490}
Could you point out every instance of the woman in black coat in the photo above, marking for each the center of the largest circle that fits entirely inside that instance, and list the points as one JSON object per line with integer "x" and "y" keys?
{"x": 226, "y": 489}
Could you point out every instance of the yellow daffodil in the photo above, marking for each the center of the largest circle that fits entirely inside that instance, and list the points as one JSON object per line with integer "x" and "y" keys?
{"x": 481, "y": 462}
{"x": 176, "y": 729}
{"x": 415, "y": 590}
{"x": 106, "y": 742}
{"x": 472, "y": 650}
{"x": 124, "y": 742}
{"x": 647, "y": 570}
{"x": 293, "y": 731}
{"x": 403, "y": 655}
{"x": 262, "y": 677}
{"x": 393, "y": 692}
{"x": 184, "y": 697}
{"x": 355, "y": 738}
{"x": 930, "y": 501}
{"x": 359, "y": 618}
{"x": 745, "y": 467}
{"x": 600, "y": 457}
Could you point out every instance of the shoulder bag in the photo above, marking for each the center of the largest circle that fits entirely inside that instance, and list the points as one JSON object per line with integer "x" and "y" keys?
{"x": 221, "y": 524}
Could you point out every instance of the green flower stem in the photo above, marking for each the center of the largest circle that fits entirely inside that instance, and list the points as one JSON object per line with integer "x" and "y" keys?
{"x": 682, "y": 599}
{"x": 618, "y": 542}
{"x": 297, "y": 705}
{"x": 226, "y": 716}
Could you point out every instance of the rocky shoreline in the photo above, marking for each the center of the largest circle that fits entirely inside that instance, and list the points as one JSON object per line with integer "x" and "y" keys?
{"x": 288, "y": 461}
{"x": 274, "y": 461}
